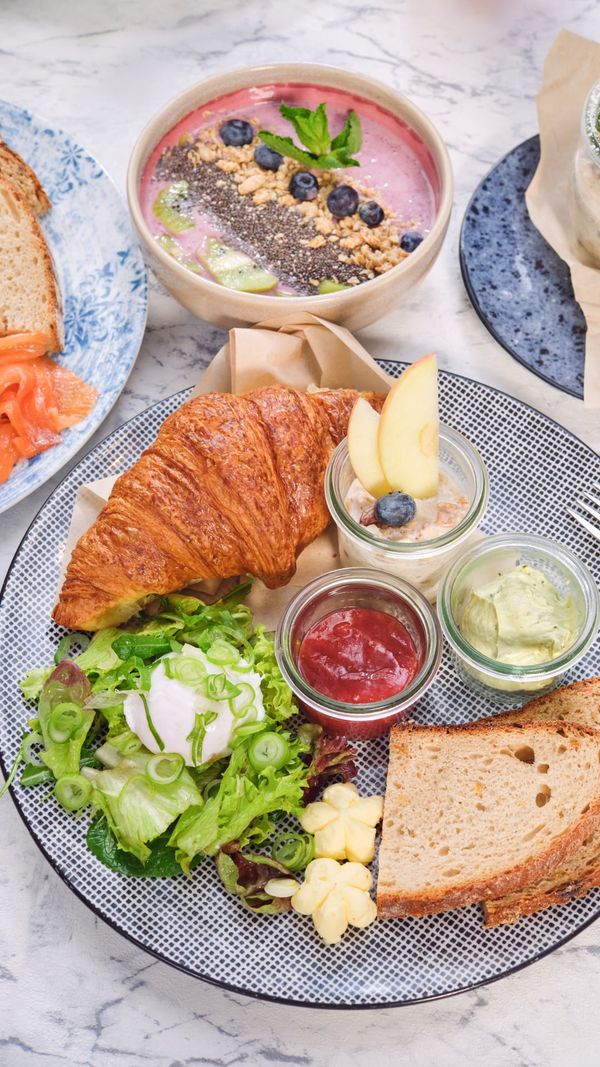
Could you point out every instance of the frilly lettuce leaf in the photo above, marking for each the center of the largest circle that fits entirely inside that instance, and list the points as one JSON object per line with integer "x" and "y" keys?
{"x": 277, "y": 696}
{"x": 239, "y": 807}
{"x": 32, "y": 684}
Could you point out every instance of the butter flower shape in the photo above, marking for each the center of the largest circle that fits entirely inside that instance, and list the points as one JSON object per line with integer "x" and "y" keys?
{"x": 343, "y": 823}
{"x": 336, "y": 895}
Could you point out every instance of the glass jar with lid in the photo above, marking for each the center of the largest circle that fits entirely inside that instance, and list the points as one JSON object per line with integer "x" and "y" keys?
{"x": 585, "y": 180}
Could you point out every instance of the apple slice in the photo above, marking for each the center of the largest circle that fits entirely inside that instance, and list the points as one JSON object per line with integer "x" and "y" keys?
{"x": 363, "y": 429}
{"x": 409, "y": 431}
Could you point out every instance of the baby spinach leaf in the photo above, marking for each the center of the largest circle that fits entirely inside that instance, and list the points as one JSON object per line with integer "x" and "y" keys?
{"x": 161, "y": 862}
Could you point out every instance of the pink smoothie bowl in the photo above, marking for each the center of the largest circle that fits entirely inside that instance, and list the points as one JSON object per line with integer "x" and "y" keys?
{"x": 355, "y": 307}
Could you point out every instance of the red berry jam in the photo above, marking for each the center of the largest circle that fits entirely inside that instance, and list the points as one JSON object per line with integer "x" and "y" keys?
{"x": 358, "y": 656}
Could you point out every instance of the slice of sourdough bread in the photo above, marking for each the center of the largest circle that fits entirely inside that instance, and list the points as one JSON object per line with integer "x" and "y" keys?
{"x": 577, "y": 703}
{"x": 475, "y": 812}
{"x": 15, "y": 170}
{"x": 29, "y": 297}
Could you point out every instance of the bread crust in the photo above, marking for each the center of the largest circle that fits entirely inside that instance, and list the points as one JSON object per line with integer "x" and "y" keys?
{"x": 392, "y": 905}
{"x": 582, "y": 872}
{"x": 55, "y": 332}
{"x": 38, "y": 201}
{"x": 533, "y": 710}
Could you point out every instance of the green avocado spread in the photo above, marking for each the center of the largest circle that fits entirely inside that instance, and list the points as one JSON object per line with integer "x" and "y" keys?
{"x": 519, "y": 618}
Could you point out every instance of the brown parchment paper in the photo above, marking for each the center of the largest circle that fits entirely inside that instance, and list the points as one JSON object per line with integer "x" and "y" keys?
{"x": 571, "y": 68}
{"x": 296, "y": 350}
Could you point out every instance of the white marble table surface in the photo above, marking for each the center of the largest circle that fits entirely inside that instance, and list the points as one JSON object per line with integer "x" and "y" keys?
{"x": 71, "y": 990}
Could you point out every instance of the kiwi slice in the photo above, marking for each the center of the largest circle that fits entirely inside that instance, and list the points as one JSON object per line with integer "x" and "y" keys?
{"x": 327, "y": 285}
{"x": 234, "y": 269}
{"x": 174, "y": 249}
{"x": 171, "y": 209}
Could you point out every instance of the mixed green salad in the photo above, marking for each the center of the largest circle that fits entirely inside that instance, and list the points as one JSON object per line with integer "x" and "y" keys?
{"x": 176, "y": 734}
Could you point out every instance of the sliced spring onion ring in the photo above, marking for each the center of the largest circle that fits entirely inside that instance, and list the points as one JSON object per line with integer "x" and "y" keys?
{"x": 211, "y": 789}
{"x": 68, "y": 643}
{"x": 73, "y": 791}
{"x": 29, "y": 741}
{"x": 151, "y": 726}
{"x": 219, "y": 687}
{"x": 242, "y": 703}
{"x": 249, "y": 726}
{"x": 33, "y": 774}
{"x": 222, "y": 653}
{"x": 130, "y": 745}
{"x": 166, "y": 768}
{"x": 65, "y": 720}
{"x": 185, "y": 669}
{"x": 293, "y": 850}
{"x": 268, "y": 749}
{"x": 198, "y": 733}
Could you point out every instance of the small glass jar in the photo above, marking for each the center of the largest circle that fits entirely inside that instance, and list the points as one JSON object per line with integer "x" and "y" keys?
{"x": 358, "y": 588}
{"x": 421, "y": 563}
{"x": 505, "y": 684}
{"x": 585, "y": 178}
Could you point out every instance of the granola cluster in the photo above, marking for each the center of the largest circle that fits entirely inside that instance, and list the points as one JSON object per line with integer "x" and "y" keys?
{"x": 370, "y": 251}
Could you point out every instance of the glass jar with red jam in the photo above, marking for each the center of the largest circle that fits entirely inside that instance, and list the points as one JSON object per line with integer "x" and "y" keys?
{"x": 358, "y": 648}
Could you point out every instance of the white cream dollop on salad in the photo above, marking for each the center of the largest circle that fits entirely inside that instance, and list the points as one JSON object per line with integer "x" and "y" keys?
{"x": 179, "y": 714}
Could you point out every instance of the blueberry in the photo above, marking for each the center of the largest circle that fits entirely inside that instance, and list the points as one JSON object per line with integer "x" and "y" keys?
{"x": 371, "y": 214}
{"x": 267, "y": 158}
{"x": 236, "y": 132}
{"x": 304, "y": 185}
{"x": 410, "y": 240}
{"x": 342, "y": 201}
{"x": 395, "y": 509}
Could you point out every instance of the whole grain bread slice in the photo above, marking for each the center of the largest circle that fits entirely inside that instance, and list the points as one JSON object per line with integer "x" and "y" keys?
{"x": 577, "y": 703}
{"x": 475, "y": 812}
{"x": 29, "y": 298}
{"x": 15, "y": 170}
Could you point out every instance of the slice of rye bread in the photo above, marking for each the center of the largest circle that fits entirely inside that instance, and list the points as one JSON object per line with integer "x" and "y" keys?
{"x": 474, "y": 812}
{"x": 29, "y": 298}
{"x": 580, "y": 872}
{"x": 15, "y": 170}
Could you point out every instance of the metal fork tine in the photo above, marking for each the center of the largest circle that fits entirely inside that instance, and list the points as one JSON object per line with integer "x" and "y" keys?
{"x": 589, "y": 510}
{"x": 593, "y": 530}
{"x": 592, "y": 499}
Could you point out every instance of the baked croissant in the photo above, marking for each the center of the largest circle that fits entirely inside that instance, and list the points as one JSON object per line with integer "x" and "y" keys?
{"x": 232, "y": 485}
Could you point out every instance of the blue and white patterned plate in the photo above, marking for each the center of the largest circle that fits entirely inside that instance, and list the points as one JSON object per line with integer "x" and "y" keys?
{"x": 101, "y": 275}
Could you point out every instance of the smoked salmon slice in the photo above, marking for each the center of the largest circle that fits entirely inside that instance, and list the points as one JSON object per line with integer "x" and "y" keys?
{"x": 38, "y": 399}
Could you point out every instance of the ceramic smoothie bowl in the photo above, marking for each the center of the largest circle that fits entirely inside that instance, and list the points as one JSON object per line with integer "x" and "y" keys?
{"x": 290, "y": 188}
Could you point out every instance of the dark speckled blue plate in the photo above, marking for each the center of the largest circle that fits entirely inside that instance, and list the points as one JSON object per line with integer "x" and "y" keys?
{"x": 519, "y": 287}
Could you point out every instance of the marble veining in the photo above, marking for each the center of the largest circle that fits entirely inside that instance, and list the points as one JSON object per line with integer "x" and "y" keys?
{"x": 71, "y": 990}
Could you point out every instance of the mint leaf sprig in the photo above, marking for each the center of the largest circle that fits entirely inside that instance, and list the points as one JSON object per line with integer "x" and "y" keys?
{"x": 312, "y": 129}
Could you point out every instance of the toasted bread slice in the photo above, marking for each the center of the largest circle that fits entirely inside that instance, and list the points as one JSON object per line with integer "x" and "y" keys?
{"x": 577, "y": 703}
{"x": 475, "y": 812}
{"x": 15, "y": 170}
{"x": 29, "y": 298}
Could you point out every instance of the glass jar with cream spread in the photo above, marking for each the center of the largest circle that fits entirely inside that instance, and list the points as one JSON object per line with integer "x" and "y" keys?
{"x": 585, "y": 179}
{"x": 518, "y": 611}
{"x": 420, "y": 551}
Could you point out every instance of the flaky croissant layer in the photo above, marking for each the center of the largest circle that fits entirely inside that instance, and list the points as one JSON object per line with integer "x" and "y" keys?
{"x": 232, "y": 485}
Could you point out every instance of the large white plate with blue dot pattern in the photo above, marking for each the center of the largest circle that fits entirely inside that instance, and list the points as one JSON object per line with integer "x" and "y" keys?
{"x": 101, "y": 275}
{"x": 191, "y": 923}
